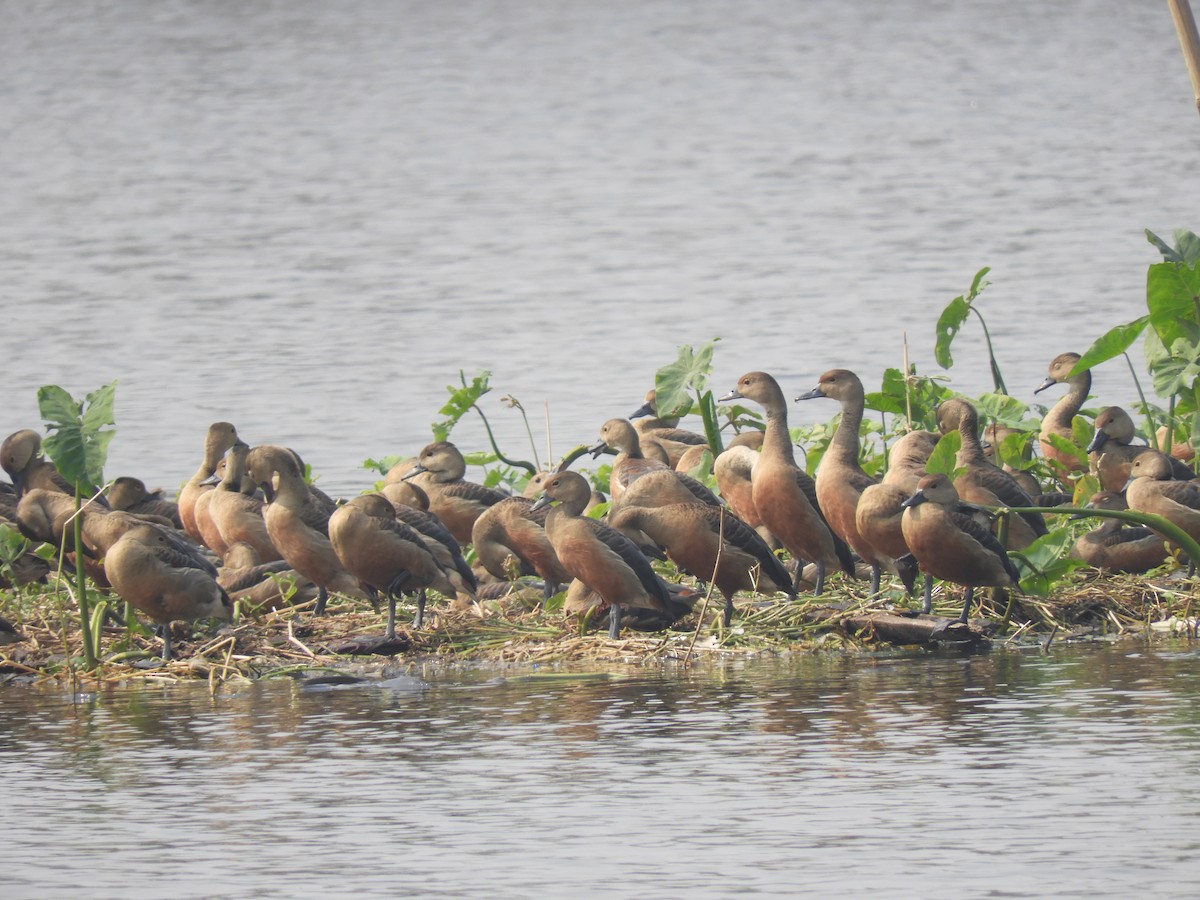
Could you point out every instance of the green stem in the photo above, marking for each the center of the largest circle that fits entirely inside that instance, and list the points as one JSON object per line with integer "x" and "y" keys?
{"x": 997, "y": 378}
{"x": 1170, "y": 425}
{"x": 1151, "y": 428}
{"x": 85, "y": 617}
{"x": 712, "y": 431}
{"x": 518, "y": 463}
{"x": 1157, "y": 523}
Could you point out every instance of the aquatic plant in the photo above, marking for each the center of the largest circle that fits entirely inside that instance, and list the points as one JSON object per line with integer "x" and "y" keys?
{"x": 675, "y": 383}
{"x": 951, "y": 320}
{"x": 80, "y": 432}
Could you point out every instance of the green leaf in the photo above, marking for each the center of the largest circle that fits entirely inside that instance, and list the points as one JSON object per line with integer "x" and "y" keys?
{"x": 674, "y": 382}
{"x": 1062, "y": 445}
{"x": 944, "y": 459}
{"x": 1082, "y": 432}
{"x": 1112, "y": 343}
{"x": 1045, "y": 562}
{"x": 460, "y": 402}
{"x": 1002, "y": 408}
{"x": 1177, "y": 370}
{"x": 384, "y": 465}
{"x": 79, "y": 433}
{"x": 1186, "y": 249}
{"x": 1172, "y": 293}
{"x": 948, "y": 324}
{"x": 1015, "y": 450}
{"x": 57, "y": 407}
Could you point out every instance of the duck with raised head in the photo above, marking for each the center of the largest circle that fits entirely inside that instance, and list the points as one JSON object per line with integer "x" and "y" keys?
{"x": 1060, "y": 417}
{"x": 1152, "y": 489}
{"x": 440, "y": 472}
{"x": 1116, "y": 546}
{"x": 601, "y": 557}
{"x": 981, "y": 482}
{"x": 510, "y": 541}
{"x": 148, "y": 572}
{"x": 631, "y": 463}
{"x": 664, "y": 433}
{"x": 841, "y": 482}
{"x": 236, "y": 517}
{"x": 1112, "y": 451}
{"x": 711, "y": 544}
{"x": 217, "y": 441}
{"x": 784, "y": 494}
{"x": 385, "y": 555}
{"x": 298, "y": 523}
{"x": 950, "y": 544}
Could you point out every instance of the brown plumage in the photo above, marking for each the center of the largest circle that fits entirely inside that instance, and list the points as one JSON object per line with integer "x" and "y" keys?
{"x": 907, "y": 458}
{"x": 981, "y": 482}
{"x": 386, "y": 555}
{"x": 950, "y": 544}
{"x": 458, "y": 503}
{"x": 600, "y": 557}
{"x": 1152, "y": 490}
{"x": 1116, "y": 546}
{"x": 841, "y": 480}
{"x": 664, "y": 432}
{"x": 219, "y": 438}
{"x": 130, "y": 495}
{"x": 784, "y": 494}
{"x": 21, "y": 457}
{"x": 712, "y": 544}
{"x": 1112, "y": 450}
{"x": 510, "y": 540}
{"x": 235, "y": 517}
{"x": 631, "y": 463}
{"x": 298, "y": 523}
{"x": 259, "y": 585}
{"x": 1058, "y": 419}
{"x": 148, "y": 572}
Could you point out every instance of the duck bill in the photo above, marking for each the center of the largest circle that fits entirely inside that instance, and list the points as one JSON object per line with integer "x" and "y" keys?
{"x": 915, "y": 500}
{"x": 540, "y": 503}
{"x": 811, "y": 395}
{"x": 413, "y": 472}
{"x": 1098, "y": 441}
{"x": 732, "y": 395}
{"x": 1049, "y": 382}
{"x": 644, "y": 410}
{"x": 597, "y": 449}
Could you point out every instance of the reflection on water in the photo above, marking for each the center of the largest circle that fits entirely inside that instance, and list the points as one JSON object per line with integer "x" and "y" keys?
{"x": 1009, "y": 774}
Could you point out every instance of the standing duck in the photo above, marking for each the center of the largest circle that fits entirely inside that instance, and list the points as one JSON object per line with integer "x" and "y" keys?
{"x": 841, "y": 480}
{"x": 712, "y": 544}
{"x": 236, "y": 517}
{"x": 630, "y": 463}
{"x": 784, "y": 494}
{"x": 148, "y": 572}
{"x": 1058, "y": 420}
{"x": 601, "y": 557}
{"x": 950, "y": 544}
{"x": 217, "y": 441}
{"x": 298, "y": 523}
{"x": 510, "y": 541}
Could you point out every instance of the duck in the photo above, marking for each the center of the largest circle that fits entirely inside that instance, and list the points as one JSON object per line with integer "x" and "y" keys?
{"x": 712, "y": 544}
{"x": 1151, "y": 489}
{"x": 841, "y": 480}
{"x": 907, "y": 458}
{"x": 664, "y": 433}
{"x": 950, "y": 544}
{"x": 298, "y": 523}
{"x": 631, "y": 463}
{"x": 385, "y": 555}
{"x": 262, "y": 585}
{"x": 784, "y": 494}
{"x": 1112, "y": 451}
{"x": 21, "y": 457}
{"x": 981, "y": 482}
{"x": 1116, "y": 546}
{"x": 602, "y": 558}
{"x": 1059, "y": 419}
{"x": 510, "y": 541}
{"x": 456, "y": 502}
{"x": 148, "y": 572}
{"x": 129, "y": 494}
{"x": 217, "y": 441}
{"x": 234, "y": 517}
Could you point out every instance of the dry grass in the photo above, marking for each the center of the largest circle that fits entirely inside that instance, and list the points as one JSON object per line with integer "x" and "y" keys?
{"x": 514, "y": 630}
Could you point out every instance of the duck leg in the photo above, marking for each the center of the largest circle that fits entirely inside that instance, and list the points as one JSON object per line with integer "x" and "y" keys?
{"x": 727, "y": 616}
{"x": 927, "y": 595}
{"x": 875, "y": 578}
{"x": 614, "y": 621}
{"x": 166, "y": 636}
{"x": 967, "y": 604}
{"x": 820, "y": 586}
{"x": 322, "y": 599}
{"x": 420, "y": 620}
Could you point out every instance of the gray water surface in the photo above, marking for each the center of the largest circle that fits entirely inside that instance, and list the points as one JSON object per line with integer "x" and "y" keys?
{"x": 1009, "y": 774}
{"x": 306, "y": 218}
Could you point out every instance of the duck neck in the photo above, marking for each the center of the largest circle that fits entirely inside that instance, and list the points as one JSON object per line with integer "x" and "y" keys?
{"x": 844, "y": 446}
{"x": 970, "y": 450}
{"x": 777, "y": 440}
{"x": 1072, "y": 401}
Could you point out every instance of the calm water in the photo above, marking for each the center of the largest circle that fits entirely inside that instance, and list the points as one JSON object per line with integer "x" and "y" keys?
{"x": 1010, "y": 774}
{"x": 306, "y": 217}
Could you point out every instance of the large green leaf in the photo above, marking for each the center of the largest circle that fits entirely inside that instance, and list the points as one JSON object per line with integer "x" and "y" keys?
{"x": 1172, "y": 295}
{"x": 674, "y": 382}
{"x": 1186, "y": 249}
{"x": 1112, "y": 343}
{"x": 952, "y": 317}
{"x": 1045, "y": 561}
{"x": 944, "y": 458}
{"x": 1016, "y": 450}
{"x": 1176, "y": 371}
{"x": 1062, "y": 445}
{"x": 1002, "y": 408}
{"x": 79, "y": 433}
